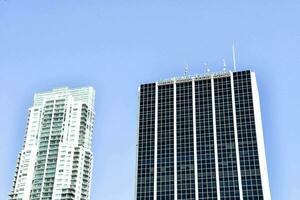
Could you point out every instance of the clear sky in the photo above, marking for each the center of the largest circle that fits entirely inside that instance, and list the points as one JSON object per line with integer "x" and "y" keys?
{"x": 116, "y": 45}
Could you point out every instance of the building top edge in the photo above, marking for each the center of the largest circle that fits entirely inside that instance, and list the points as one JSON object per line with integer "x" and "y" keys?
{"x": 64, "y": 89}
{"x": 85, "y": 94}
{"x": 187, "y": 78}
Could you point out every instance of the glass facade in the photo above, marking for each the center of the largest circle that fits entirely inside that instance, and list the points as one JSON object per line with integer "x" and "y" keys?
{"x": 198, "y": 139}
{"x": 207, "y": 184}
{"x": 248, "y": 150}
{"x": 228, "y": 173}
{"x": 165, "y": 143}
{"x": 185, "y": 147}
{"x": 145, "y": 167}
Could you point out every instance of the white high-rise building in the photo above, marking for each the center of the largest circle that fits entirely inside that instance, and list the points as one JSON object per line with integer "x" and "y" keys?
{"x": 56, "y": 160}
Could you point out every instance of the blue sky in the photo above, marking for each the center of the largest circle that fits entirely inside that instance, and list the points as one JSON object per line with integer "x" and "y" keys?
{"x": 116, "y": 45}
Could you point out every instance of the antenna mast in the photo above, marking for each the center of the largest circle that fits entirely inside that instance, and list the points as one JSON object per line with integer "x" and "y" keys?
{"x": 224, "y": 65}
{"x": 186, "y": 68}
{"x": 207, "y": 70}
{"x": 233, "y": 56}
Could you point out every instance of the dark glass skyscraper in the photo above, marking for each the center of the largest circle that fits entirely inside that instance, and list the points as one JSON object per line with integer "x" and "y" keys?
{"x": 201, "y": 138}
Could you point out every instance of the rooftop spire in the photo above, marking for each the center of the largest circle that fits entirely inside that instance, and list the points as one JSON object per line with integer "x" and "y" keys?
{"x": 224, "y": 65}
{"x": 207, "y": 70}
{"x": 186, "y": 69}
{"x": 233, "y": 56}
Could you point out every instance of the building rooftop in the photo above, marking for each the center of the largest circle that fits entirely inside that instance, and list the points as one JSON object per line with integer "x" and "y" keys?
{"x": 187, "y": 78}
{"x": 85, "y": 94}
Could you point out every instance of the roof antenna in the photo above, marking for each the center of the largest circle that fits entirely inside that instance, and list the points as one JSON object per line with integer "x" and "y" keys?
{"x": 207, "y": 70}
{"x": 233, "y": 56}
{"x": 186, "y": 69}
{"x": 224, "y": 65}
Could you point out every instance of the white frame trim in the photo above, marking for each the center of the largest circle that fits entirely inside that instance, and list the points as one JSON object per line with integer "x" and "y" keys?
{"x": 195, "y": 140}
{"x": 215, "y": 138}
{"x": 260, "y": 139}
{"x": 175, "y": 140}
{"x": 155, "y": 142}
{"x": 137, "y": 143}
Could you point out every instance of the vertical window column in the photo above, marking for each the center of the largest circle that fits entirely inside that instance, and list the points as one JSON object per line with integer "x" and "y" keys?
{"x": 229, "y": 187}
{"x": 206, "y": 153}
{"x": 236, "y": 136}
{"x": 248, "y": 151}
{"x": 185, "y": 146}
{"x": 165, "y": 143}
{"x": 146, "y": 136}
{"x": 215, "y": 138}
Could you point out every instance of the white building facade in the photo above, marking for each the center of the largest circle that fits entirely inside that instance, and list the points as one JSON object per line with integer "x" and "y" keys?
{"x": 56, "y": 160}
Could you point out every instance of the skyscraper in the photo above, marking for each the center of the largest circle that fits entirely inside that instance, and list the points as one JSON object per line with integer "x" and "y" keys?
{"x": 56, "y": 160}
{"x": 200, "y": 137}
